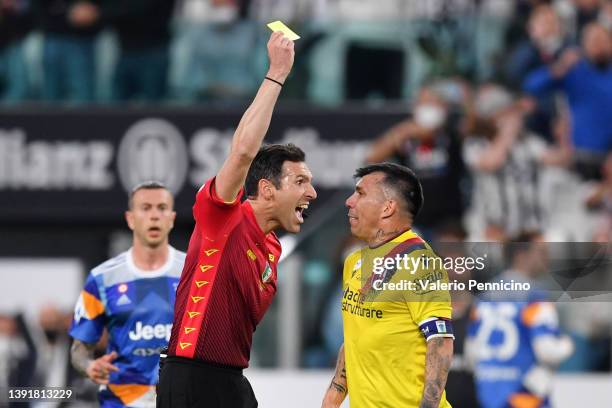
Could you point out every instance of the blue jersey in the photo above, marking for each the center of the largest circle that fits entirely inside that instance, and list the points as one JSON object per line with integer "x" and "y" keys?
{"x": 137, "y": 308}
{"x": 502, "y": 334}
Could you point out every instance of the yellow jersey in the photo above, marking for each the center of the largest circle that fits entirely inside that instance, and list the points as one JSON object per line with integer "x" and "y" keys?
{"x": 383, "y": 344}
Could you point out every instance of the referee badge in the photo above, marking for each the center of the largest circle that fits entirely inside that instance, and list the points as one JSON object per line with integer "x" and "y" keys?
{"x": 267, "y": 273}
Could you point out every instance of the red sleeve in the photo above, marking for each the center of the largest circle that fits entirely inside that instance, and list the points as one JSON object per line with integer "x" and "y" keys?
{"x": 209, "y": 205}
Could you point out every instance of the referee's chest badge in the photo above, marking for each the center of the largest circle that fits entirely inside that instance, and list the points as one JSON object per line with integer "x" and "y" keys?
{"x": 267, "y": 273}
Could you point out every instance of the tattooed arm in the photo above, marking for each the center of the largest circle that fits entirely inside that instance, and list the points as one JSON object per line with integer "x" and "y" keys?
{"x": 98, "y": 370}
{"x": 338, "y": 388}
{"x": 437, "y": 363}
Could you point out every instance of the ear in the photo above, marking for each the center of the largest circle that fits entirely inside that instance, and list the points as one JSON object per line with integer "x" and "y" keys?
{"x": 266, "y": 189}
{"x": 129, "y": 218}
{"x": 389, "y": 208}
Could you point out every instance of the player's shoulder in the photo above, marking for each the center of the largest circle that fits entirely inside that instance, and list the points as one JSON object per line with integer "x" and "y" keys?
{"x": 119, "y": 261}
{"x": 353, "y": 258}
{"x": 409, "y": 242}
{"x": 179, "y": 256}
{"x": 178, "y": 261}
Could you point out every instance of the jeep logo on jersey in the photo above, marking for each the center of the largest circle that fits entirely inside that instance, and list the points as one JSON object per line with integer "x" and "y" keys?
{"x": 152, "y": 149}
{"x": 148, "y": 332}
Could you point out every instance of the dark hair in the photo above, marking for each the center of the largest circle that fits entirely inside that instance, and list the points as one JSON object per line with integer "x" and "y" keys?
{"x": 519, "y": 243}
{"x": 268, "y": 164}
{"x": 145, "y": 185}
{"x": 402, "y": 180}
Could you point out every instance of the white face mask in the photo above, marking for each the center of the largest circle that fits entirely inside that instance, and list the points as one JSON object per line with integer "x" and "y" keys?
{"x": 429, "y": 116}
{"x": 550, "y": 45}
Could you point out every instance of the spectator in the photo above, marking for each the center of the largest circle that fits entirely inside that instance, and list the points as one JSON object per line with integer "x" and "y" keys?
{"x": 601, "y": 199}
{"x": 428, "y": 143}
{"x": 221, "y": 67}
{"x": 504, "y": 160}
{"x": 15, "y": 23}
{"x": 18, "y": 355}
{"x": 144, "y": 34}
{"x": 70, "y": 28}
{"x": 587, "y": 82}
{"x": 546, "y": 42}
{"x": 375, "y": 48}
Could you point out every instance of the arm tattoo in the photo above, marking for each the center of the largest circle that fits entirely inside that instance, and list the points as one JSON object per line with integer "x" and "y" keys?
{"x": 339, "y": 381}
{"x": 338, "y": 387}
{"x": 438, "y": 361}
{"x": 81, "y": 355}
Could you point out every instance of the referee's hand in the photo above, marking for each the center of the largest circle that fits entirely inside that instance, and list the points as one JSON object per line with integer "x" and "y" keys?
{"x": 281, "y": 54}
{"x": 99, "y": 369}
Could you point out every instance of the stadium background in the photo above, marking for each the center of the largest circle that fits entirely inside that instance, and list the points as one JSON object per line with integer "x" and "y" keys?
{"x": 68, "y": 158}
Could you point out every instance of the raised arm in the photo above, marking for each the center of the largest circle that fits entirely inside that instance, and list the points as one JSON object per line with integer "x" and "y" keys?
{"x": 437, "y": 363}
{"x": 546, "y": 78}
{"x": 255, "y": 122}
{"x": 338, "y": 388}
{"x": 391, "y": 141}
{"x": 496, "y": 154}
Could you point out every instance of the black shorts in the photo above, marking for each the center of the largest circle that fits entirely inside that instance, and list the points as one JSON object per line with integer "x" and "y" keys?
{"x": 186, "y": 383}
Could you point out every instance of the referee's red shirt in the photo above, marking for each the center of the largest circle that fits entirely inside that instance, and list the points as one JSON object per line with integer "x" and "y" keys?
{"x": 227, "y": 284}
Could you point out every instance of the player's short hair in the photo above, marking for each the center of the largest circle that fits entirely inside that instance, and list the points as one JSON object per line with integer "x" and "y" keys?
{"x": 400, "y": 179}
{"x": 268, "y": 164}
{"x": 145, "y": 185}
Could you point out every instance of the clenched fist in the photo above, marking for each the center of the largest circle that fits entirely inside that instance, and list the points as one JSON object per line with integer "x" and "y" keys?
{"x": 280, "y": 54}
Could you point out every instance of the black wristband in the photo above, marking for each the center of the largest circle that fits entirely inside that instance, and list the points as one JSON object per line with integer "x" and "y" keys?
{"x": 275, "y": 81}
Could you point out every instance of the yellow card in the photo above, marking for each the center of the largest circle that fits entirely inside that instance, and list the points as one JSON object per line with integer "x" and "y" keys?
{"x": 280, "y": 26}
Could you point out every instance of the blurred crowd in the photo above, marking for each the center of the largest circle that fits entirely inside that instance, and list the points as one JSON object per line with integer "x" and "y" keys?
{"x": 202, "y": 50}
{"x": 35, "y": 352}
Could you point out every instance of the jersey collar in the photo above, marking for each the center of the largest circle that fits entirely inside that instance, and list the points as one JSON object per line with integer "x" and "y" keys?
{"x": 154, "y": 273}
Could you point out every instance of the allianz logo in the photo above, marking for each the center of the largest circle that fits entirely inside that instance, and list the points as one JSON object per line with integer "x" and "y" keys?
{"x": 149, "y": 332}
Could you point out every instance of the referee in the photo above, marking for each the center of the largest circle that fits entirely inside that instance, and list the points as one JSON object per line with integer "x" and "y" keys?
{"x": 229, "y": 278}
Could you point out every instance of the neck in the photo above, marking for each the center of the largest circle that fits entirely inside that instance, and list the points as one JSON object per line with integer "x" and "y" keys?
{"x": 149, "y": 258}
{"x": 385, "y": 234}
{"x": 264, "y": 215}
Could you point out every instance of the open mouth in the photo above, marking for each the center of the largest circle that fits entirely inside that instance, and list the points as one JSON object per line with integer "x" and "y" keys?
{"x": 155, "y": 230}
{"x": 300, "y": 212}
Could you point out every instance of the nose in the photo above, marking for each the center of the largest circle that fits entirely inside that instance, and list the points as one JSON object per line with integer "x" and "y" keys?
{"x": 311, "y": 193}
{"x": 350, "y": 201}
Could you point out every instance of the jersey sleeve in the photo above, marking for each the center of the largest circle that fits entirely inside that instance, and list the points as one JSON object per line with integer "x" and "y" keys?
{"x": 351, "y": 263}
{"x": 89, "y": 314}
{"x": 208, "y": 205}
{"x": 540, "y": 318}
{"x": 427, "y": 303}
